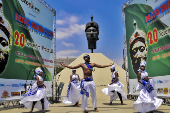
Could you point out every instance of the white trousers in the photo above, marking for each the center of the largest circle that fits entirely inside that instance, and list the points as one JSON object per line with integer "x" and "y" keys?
{"x": 89, "y": 85}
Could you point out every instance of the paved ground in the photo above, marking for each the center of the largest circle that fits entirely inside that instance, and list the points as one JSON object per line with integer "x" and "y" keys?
{"x": 103, "y": 107}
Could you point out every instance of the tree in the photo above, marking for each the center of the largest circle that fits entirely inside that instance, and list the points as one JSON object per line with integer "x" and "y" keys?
{"x": 59, "y": 69}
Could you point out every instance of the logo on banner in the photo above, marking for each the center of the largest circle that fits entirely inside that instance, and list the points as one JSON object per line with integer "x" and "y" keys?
{"x": 21, "y": 84}
{"x": 160, "y": 90}
{"x": 31, "y": 6}
{"x": 165, "y": 91}
{"x": 162, "y": 81}
{"x": 5, "y": 94}
{"x": 159, "y": 81}
{"x": 1, "y": 85}
{"x": 15, "y": 85}
{"x": 15, "y": 93}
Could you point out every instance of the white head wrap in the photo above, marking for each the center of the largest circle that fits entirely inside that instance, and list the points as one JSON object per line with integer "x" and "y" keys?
{"x": 38, "y": 70}
{"x": 113, "y": 67}
{"x": 73, "y": 70}
{"x": 143, "y": 63}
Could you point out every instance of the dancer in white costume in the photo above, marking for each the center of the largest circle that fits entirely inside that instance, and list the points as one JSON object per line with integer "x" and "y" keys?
{"x": 73, "y": 91}
{"x": 114, "y": 89}
{"x": 36, "y": 96}
{"x": 147, "y": 100}
{"x": 87, "y": 83}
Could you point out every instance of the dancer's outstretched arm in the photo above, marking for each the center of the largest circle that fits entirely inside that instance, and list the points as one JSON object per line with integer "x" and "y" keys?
{"x": 150, "y": 77}
{"x": 71, "y": 67}
{"x": 101, "y": 66}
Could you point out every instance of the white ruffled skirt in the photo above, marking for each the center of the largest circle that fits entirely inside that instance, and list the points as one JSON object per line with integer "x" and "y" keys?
{"x": 35, "y": 94}
{"x": 116, "y": 87}
{"x": 73, "y": 94}
{"x": 147, "y": 101}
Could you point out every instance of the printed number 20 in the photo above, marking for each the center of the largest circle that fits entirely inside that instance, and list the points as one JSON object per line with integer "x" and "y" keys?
{"x": 19, "y": 39}
{"x": 155, "y": 36}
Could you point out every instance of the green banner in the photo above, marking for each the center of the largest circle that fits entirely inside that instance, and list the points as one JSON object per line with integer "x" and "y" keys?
{"x": 148, "y": 37}
{"x": 26, "y": 40}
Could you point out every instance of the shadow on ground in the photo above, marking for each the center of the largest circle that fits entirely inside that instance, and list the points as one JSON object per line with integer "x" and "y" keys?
{"x": 113, "y": 104}
{"x": 154, "y": 111}
{"x": 39, "y": 111}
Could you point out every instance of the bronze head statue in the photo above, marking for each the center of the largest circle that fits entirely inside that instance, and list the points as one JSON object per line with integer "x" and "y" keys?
{"x": 92, "y": 32}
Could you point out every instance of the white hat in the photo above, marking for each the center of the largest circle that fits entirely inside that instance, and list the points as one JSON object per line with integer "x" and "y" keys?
{"x": 38, "y": 70}
{"x": 112, "y": 67}
{"x": 73, "y": 70}
{"x": 86, "y": 56}
{"x": 143, "y": 63}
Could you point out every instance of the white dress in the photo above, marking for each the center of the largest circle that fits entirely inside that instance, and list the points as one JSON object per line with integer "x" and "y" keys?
{"x": 116, "y": 87}
{"x": 35, "y": 94}
{"x": 73, "y": 92}
{"x": 146, "y": 101}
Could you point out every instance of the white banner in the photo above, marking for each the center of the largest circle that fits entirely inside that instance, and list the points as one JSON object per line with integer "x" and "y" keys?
{"x": 162, "y": 85}
{"x": 11, "y": 89}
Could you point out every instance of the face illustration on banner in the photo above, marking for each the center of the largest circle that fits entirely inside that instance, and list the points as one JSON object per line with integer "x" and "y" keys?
{"x": 138, "y": 48}
{"x": 5, "y": 40}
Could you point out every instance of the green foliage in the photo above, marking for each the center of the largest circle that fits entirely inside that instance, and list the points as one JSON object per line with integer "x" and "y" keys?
{"x": 59, "y": 69}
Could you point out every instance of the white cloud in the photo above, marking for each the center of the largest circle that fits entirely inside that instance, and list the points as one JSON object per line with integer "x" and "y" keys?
{"x": 67, "y": 44}
{"x": 60, "y": 22}
{"x": 68, "y": 26}
{"x": 73, "y": 19}
{"x": 64, "y": 33}
{"x": 68, "y": 20}
{"x": 67, "y": 53}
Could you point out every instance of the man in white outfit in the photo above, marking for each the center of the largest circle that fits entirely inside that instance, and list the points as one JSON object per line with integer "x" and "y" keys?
{"x": 87, "y": 83}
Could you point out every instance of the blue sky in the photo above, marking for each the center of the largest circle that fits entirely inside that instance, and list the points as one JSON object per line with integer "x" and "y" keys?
{"x": 73, "y": 15}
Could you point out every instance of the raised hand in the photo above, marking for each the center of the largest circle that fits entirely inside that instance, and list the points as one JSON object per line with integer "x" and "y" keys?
{"x": 111, "y": 64}
{"x": 62, "y": 64}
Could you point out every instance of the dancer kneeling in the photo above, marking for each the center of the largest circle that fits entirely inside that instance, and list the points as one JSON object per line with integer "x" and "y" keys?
{"x": 114, "y": 89}
{"x": 147, "y": 100}
{"x": 73, "y": 92}
{"x": 36, "y": 96}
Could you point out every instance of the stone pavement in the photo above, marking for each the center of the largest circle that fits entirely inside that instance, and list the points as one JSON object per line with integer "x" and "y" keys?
{"x": 103, "y": 107}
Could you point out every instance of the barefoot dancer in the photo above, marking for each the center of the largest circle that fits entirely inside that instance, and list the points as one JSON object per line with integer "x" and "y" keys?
{"x": 73, "y": 92}
{"x": 36, "y": 96}
{"x": 87, "y": 83}
{"x": 147, "y": 100}
{"x": 114, "y": 89}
